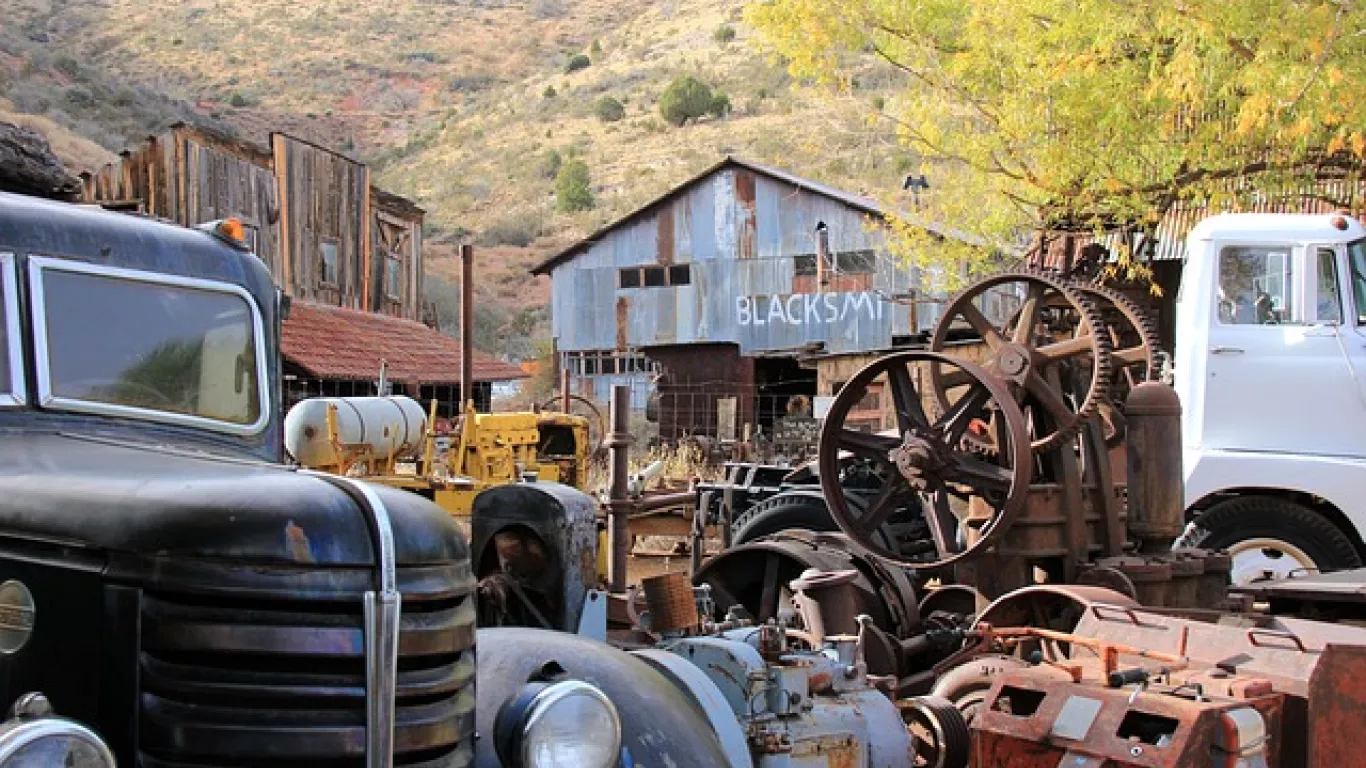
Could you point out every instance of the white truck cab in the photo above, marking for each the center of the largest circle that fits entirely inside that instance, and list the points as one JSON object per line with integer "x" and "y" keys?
{"x": 1270, "y": 360}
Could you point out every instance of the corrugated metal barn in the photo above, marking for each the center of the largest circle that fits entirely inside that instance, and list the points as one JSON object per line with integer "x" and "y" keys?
{"x": 710, "y": 293}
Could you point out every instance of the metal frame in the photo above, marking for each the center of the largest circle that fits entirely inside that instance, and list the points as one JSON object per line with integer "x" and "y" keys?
{"x": 382, "y": 623}
{"x": 38, "y": 304}
{"x": 17, "y": 392}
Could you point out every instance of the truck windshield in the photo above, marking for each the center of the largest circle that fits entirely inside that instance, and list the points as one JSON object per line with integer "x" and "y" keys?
{"x": 1356, "y": 256}
{"x": 129, "y": 343}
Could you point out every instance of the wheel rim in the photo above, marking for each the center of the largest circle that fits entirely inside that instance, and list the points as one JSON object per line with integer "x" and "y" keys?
{"x": 1265, "y": 558}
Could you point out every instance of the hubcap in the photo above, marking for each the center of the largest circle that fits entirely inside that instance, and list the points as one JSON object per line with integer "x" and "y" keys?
{"x": 1268, "y": 559}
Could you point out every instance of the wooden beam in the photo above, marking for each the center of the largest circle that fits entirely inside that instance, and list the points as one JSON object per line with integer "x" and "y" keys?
{"x": 280, "y": 155}
{"x": 367, "y": 255}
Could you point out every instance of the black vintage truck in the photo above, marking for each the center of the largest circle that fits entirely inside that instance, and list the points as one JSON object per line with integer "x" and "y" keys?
{"x": 167, "y": 582}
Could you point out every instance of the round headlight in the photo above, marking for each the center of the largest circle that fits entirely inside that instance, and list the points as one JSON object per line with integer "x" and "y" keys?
{"x": 51, "y": 741}
{"x": 569, "y": 723}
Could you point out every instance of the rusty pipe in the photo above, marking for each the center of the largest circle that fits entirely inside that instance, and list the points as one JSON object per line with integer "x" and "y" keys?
{"x": 466, "y": 325}
{"x": 619, "y": 504}
{"x": 564, "y": 390}
{"x": 822, "y": 256}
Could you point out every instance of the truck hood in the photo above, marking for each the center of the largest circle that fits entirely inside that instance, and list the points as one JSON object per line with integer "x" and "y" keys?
{"x": 160, "y": 502}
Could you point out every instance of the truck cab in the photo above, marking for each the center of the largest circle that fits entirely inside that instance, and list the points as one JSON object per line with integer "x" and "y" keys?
{"x": 1269, "y": 363}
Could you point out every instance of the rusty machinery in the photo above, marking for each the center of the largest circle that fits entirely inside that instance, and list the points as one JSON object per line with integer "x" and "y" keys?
{"x": 1020, "y": 475}
{"x": 1023, "y": 472}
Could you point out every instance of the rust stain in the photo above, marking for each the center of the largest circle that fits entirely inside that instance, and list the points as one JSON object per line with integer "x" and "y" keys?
{"x": 297, "y": 543}
{"x": 623, "y": 311}
{"x": 665, "y": 239}
{"x": 745, "y": 235}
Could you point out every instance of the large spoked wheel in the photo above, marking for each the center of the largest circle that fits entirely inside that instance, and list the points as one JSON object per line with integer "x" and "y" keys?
{"x": 1053, "y": 341}
{"x": 925, "y": 467}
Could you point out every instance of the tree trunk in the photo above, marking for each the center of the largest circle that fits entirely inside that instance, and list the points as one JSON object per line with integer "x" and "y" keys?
{"x": 28, "y": 166}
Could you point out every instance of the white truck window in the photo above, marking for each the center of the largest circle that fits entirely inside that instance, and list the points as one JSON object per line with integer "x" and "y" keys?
{"x": 1327, "y": 295}
{"x": 1356, "y": 257}
{"x": 1256, "y": 286}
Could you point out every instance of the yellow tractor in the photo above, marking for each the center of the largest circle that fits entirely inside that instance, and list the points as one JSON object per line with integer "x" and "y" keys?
{"x": 391, "y": 441}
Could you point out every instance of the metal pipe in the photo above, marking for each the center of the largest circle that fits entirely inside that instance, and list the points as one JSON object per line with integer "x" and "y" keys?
{"x": 822, "y": 256}
{"x": 618, "y": 495}
{"x": 467, "y": 324}
{"x": 667, "y": 501}
{"x": 564, "y": 390}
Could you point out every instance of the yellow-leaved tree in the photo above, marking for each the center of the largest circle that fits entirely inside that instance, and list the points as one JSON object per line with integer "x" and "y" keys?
{"x": 1081, "y": 115}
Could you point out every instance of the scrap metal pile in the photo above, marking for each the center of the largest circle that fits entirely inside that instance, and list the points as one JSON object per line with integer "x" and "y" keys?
{"x": 1005, "y": 566}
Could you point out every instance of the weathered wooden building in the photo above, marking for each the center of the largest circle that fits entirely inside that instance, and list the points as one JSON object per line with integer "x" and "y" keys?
{"x": 709, "y": 298}
{"x": 331, "y": 239}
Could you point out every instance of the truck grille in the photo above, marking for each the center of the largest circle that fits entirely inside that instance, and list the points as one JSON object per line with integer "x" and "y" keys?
{"x": 274, "y": 682}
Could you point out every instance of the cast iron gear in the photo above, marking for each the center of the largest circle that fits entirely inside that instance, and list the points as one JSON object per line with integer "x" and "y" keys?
{"x": 1023, "y": 357}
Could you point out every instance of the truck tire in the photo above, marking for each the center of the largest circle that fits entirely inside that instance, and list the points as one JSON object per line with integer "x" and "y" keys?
{"x": 1265, "y": 533}
{"x": 780, "y": 513}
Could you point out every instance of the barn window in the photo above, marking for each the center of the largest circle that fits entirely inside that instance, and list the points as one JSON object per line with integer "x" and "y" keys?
{"x": 804, "y": 264}
{"x": 680, "y": 274}
{"x": 655, "y": 277}
{"x": 327, "y": 262}
{"x": 855, "y": 262}
{"x": 392, "y": 278}
{"x": 629, "y": 278}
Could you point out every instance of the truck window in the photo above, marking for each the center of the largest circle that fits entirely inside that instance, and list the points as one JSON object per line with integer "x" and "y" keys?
{"x": 129, "y": 343}
{"x": 1356, "y": 257}
{"x": 11, "y": 350}
{"x": 1256, "y": 286}
{"x": 1327, "y": 295}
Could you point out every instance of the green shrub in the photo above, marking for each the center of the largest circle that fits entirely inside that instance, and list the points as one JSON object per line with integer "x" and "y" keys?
{"x": 595, "y": 50}
{"x": 720, "y": 105}
{"x": 724, "y": 34}
{"x": 577, "y": 62}
{"x": 549, "y": 92}
{"x": 609, "y": 110}
{"x": 573, "y": 188}
{"x": 686, "y": 98}
{"x": 550, "y": 164}
{"x": 237, "y": 99}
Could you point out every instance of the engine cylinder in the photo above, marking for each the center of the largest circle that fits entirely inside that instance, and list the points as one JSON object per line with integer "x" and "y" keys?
{"x": 1156, "y": 485}
{"x": 388, "y": 426}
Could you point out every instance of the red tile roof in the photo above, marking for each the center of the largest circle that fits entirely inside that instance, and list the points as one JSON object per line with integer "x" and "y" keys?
{"x": 334, "y": 343}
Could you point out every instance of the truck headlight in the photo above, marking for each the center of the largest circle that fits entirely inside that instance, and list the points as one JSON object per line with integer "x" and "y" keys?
{"x": 568, "y": 723}
{"x": 35, "y": 738}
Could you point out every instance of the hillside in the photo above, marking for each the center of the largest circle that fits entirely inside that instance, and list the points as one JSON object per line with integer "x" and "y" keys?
{"x": 464, "y": 105}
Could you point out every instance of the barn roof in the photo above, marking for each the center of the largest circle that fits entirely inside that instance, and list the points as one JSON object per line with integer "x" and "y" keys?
{"x": 867, "y": 205}
{"x": 336, "y": 343}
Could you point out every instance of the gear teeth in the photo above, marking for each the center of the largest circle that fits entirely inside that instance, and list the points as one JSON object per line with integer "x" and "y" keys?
{"x": 1142, "y": 322}
{"x": 1102, "y": 371}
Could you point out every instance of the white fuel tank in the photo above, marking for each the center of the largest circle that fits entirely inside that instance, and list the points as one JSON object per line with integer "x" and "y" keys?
{"x": 385, "y": 424}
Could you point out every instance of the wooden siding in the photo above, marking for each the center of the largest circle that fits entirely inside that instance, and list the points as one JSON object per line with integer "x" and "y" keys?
{"x": 327, "y": 194}
{"x": 294, "y": 196}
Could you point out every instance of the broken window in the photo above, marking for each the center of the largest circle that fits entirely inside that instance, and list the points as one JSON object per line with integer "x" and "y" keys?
{"x": 393, "y": 277}
{"x": 327, "y": 262}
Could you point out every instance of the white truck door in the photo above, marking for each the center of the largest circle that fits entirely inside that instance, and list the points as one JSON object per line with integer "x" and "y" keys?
{"x": 1276, "y": 376}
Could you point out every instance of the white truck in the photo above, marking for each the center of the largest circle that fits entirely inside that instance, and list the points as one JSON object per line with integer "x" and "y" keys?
{"x": 1269, "y": 360}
